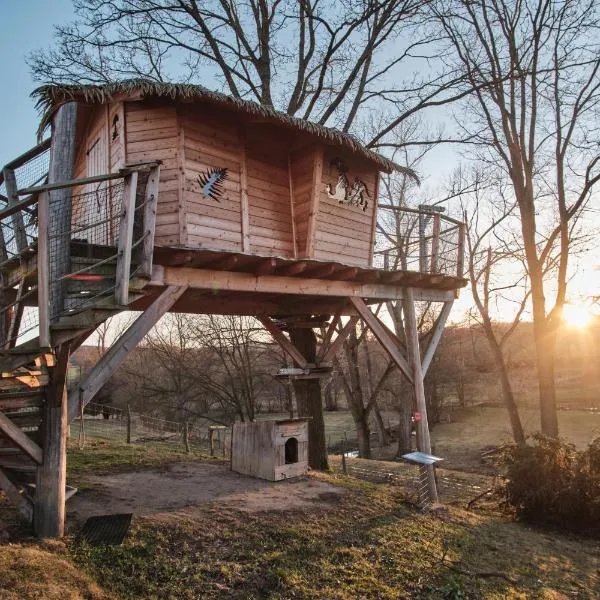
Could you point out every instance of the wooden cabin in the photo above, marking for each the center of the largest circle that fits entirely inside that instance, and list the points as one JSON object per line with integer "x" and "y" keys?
{"x": 272, "y": 450}
{"x": 235, "y": 176}
{"x": 172, "y": 198}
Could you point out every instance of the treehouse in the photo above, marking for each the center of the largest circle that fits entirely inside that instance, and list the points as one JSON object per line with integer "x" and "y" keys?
{"x": 172, "y": 198}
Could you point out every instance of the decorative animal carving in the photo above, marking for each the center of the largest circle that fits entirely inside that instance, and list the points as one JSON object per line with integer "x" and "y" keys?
{"x": 355, "y": 194}
{"x": 211, "y": 181}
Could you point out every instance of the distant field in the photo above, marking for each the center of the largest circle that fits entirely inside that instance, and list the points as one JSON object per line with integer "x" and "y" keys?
{"x": 474, "y": 429}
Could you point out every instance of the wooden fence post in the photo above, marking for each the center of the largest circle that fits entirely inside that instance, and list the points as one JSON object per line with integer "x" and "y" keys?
{"x": 186, "y": 436}
{"x": 211, "y": 440}
{"x": 128, "y": 424}
{"x": 344, "y": 465}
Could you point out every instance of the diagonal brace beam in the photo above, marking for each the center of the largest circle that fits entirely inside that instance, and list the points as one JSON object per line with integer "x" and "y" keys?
{"x": 383, "y": 335}
{"x": 436, "y": 336}
{"x": 333, "y": 348}
{"x": 117, "y": 353}
{"x": 285, "y": 344}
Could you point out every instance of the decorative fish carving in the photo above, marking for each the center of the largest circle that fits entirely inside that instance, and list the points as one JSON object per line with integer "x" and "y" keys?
{"x": 211, "y": 182}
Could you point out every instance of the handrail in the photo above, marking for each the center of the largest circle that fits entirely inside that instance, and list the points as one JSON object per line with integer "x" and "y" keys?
{"x": 419, "y": 240}
{"x": 26, "y": 156}
{"x": 93, "y": 179}
{"x": 34, "y": 191}
{"x": 417, "y": 211}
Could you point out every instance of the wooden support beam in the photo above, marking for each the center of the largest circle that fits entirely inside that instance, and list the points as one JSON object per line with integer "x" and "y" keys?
{"x": 265, "y": 267}
{"x": 15, "y": 317}
{"x": 328, "y": 335}
{"x": 244, "y": 205}
{"x": 126, "y": 240}
{"x": 225, "y": 263}
{"x": 116, "y": 354}
{"x": 151, "y": 200}
{"x": 10, "y": 181}
{"x": 51, "y": 476}
{"x": 436, "y": 335}
{"x": 314, "y": 202}
{"x": 385, "y": 338}
{"x": 17, "y": 437}
{"x": 43, "y": 271}
{"x": 412, "y": 342}
{"x": 275, "y": 284}
{"x": 292, "y": 206}
{"x": 435, "y": 244}
{"x": 285, "y": 344}
{"x": 293, "y": 268}
{"x": 333, "y": 348}
{"x": 62, "y": 158}
{"x": 21, "y": 501}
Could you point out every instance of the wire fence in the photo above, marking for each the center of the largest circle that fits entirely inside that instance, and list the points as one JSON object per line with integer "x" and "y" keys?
{"x": 104, "y": 422}
{"x": 418, "y": 240}
{"x": 83, "y": 243}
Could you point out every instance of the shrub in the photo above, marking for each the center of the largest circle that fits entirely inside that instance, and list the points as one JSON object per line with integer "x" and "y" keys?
{"x": 551, "y": 483}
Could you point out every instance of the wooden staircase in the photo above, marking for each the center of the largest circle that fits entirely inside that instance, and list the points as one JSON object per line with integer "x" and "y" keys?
{"x": 107, "y": 265}
{"x": 27, "y": 370}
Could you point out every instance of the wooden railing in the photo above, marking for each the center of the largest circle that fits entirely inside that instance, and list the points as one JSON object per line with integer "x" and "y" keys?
{"x": 424, "y": 241}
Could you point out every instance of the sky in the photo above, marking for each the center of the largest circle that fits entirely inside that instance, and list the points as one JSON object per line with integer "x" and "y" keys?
{"x": 26, "y": 26}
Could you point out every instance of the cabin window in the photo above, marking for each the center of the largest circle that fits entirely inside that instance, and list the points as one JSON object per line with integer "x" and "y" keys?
{"x": 291, "y": 451}
{"x": 115, "y": 128}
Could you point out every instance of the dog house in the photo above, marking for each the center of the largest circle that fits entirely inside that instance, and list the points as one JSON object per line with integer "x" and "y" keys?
{"x": 272, "y": 450}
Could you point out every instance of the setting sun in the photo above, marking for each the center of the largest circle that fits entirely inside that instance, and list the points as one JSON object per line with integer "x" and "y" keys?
{"x": 576, "y": 315}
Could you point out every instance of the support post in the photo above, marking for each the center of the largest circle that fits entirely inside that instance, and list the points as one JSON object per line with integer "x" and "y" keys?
{"x": 309, "y": 399}
{"x": 150, "y": 221}
{"x": 435, "y": 244}
{"x": 414, "y": 352}
{"x": 51, "y": 478}
{"x": 62, "y": 157}
{"x": 43, "y": 272}
{"x": 436, "y": 336}
{"x": 211, "y": 441}
{"x": 126, "y": 240}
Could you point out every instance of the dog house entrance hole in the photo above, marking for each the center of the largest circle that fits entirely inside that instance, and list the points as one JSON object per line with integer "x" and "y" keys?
{"x": 291, "y": 451}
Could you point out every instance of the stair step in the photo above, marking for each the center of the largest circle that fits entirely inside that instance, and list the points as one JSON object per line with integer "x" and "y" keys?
{"x": 25, "y": 419}
{"x": 70, "y": 491}
{"x": 17, "y": 463}
{"x": 11, "y": 400}
{"x": 86, "y": 318}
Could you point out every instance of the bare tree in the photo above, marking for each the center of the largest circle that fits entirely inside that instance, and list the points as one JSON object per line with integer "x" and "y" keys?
{"x": 362, "y": 386}
{"x": 491, "y": 258}
{"x": 331, "y": 62}
{"x": 534, "y": 67}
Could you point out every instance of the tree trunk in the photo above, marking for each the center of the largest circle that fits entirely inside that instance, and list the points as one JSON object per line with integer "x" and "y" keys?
{"x": 308, "y": 399}
{"x": 379, "y": 425}
{"x": 363, "y": 434}
{"x": 405, "y": 410}
{"x": 545, "y": 344}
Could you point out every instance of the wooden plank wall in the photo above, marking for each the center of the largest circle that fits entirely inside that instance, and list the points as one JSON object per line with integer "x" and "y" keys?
{"x": 151, "y": 133}
{"x": 344, "y": 233}
{"x": 302, "y": 163}
{"x": 211, "y": 141}
{"x": 268, "y": 181}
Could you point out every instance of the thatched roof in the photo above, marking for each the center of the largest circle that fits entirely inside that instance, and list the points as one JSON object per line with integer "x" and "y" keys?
{"x": 50, "y": 97}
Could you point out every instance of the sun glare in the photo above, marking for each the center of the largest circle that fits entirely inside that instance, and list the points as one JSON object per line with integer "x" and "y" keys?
{"x": 576, "y": 315}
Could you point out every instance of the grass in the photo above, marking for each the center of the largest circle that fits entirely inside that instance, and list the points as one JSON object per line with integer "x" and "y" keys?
{"x": 367, "y": 544}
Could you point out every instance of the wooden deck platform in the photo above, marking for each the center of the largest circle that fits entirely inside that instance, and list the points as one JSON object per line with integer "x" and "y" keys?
{"x": 249, "y": 284}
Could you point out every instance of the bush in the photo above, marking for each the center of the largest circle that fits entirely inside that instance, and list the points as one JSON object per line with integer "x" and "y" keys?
{"x": 551, "y": 483}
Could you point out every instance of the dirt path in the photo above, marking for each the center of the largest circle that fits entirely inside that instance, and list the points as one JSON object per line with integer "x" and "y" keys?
{"x": 185, "y": 485}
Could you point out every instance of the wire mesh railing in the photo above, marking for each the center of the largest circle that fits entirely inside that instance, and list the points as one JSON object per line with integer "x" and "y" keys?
{"x": 424, "y": 241}
{"x": 86, "y": 234}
